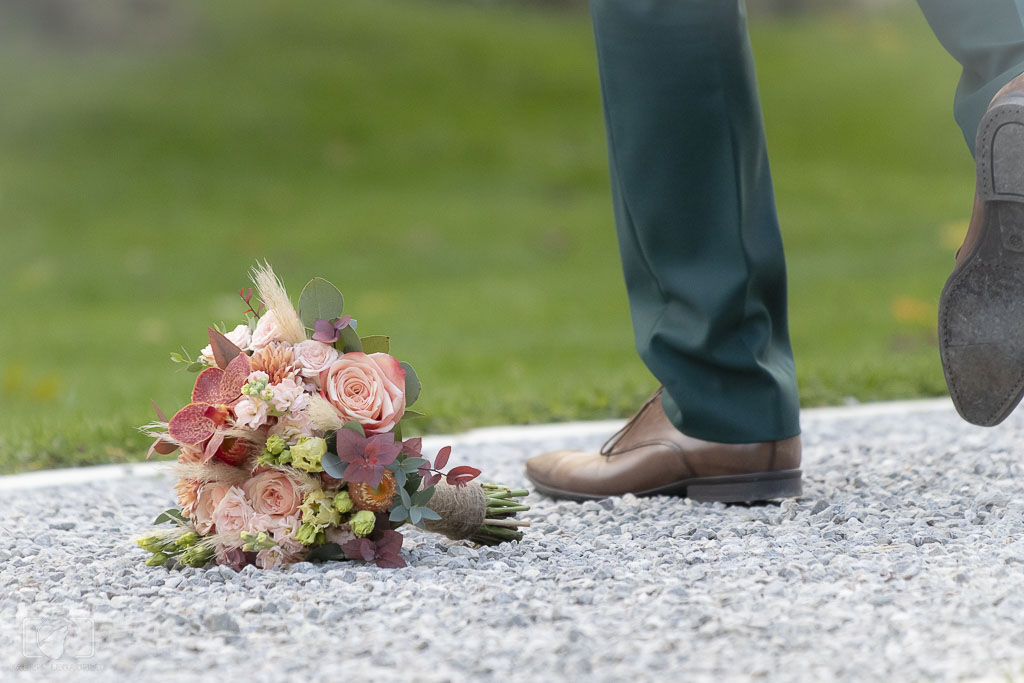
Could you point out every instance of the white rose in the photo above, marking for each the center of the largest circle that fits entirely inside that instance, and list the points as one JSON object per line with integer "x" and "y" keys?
{"x": 240, "y": 337}
{"x": 268, "y": 330}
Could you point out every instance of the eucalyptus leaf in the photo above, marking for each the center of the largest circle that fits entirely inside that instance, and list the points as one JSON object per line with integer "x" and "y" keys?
{"x": 377, "y": 343}
{"x": 401, "y": 477}
{"x": 333, "y": 465}
{"x": 399, "y": 514}
{"x": 422, "y": 497}
{"x": 320, "y": 299}
{"x": 415, "y": 515}
{"x": 349, "y": 340}
{"x": 172, "y": 515}
{"x": 430, "y": 514}
{"x": 410, "y": 465}
{"x": 406, "y": 499}
{"x": 412, "y": 415}
{"x": 412, "y": 384}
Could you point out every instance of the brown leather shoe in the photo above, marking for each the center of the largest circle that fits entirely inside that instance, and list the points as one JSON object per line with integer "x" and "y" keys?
{"x": 649, "y": 456}
{"x": 981, "y": 309}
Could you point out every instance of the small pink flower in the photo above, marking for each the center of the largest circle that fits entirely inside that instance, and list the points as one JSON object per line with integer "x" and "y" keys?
{"x": 367, "y": 388}
{"x": 339, "y": 534}
{"x": 210, "y": 495}
{"x": 233, "y": 512}
{"x": 292, "y": 426}
{"x": 251, "y": 412}
{"x": 272, "y": 493}
{"x": 287, "y": 551}
{"x": 313, "y": 357}
{"x": 289, "y": 396}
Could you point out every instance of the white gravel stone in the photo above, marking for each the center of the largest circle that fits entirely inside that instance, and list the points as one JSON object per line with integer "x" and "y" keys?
{"x": 904, "y": 560}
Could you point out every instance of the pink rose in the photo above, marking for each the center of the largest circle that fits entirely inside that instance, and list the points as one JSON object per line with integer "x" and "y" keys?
{"x": 369, "y": 389}
{"x": 268, "y": 330}
{"x": 233, "y": 512}
{"x": 313, "y": 357}
{"x": 272, "y": 493}
{"x": 210, "y": 495}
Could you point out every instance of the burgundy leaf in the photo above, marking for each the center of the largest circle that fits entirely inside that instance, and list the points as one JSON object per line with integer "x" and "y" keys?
{"x": 442, "y": 457}
{"x": 389, "y": 542}
{"x": 432, "y": 480}
{"x": 224, "y": 351}
{"x": 462, "y": 475}
{"x": 413, "y": 447}
{"x": 359, "y": 549}
{"x": 424, "y": 471}
{"x": 351, "y": 444}
{"x": 324, "y": 331}
{"x": 159, "y": 413}
{"x": 390, "y": 561}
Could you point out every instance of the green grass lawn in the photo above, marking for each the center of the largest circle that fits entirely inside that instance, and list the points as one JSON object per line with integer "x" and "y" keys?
{"x": 444, "y": 164}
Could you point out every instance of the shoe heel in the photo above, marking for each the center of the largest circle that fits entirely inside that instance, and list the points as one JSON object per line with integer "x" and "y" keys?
{"x": 999, "y": 150}
{"x": 745, "y": 488}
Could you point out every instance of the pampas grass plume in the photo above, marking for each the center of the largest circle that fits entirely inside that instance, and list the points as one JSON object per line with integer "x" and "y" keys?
{"x": 275, "y": 298}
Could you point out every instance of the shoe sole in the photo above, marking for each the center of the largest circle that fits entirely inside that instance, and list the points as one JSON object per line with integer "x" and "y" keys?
{"x": 734, "y": 488}
{"x": 981, "y": 309}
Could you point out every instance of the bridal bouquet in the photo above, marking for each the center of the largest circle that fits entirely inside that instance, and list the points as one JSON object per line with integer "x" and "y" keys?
{"x": 291, "y": 447}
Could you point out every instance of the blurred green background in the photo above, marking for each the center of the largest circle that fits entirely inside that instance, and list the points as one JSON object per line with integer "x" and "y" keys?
{"x": 444, "y": 164}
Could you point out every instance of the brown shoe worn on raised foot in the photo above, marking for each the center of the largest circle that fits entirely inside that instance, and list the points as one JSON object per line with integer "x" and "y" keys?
{"x": 981, "y": 309}
{"x": 649, "y": 456}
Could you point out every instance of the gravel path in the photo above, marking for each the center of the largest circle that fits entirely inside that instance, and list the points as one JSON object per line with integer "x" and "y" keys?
{"x": 904, "y": 560}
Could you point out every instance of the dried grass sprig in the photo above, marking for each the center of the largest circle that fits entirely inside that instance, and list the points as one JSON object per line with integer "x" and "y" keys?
{"x": 273, "y": 294}
{"x": 322, "y": 415}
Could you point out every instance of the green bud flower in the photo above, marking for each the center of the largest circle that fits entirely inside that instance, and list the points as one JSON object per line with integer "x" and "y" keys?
{"x": 275, "y": 444}
{"x": 189, "y": 539}
{"x": 362, "y": 523}
{"x": 318, "y": 510}
{"x": 307, "y": 534}
{"x": 158, "y": 559}
{"x": 153, "y": 544}
{"x": 286, "y": 457}
{"x": 265, "y": 459}
{"x": 307, "y": 452}
{"x": 343, "y": 502}
{"x": 254, "y": 543}
{"x": 197, "y": 556}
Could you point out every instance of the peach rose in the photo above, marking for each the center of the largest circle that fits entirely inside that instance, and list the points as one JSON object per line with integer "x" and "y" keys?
{"x": 369, "y": 389}
{"x": 210, "y": 495}
{"x": 233, "y": 512}
{"x": 272, "y": 493}
{"x": 313, "y": 357}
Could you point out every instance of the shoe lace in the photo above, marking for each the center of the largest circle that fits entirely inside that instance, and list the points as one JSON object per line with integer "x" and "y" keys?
{"x": 615, "y": 438}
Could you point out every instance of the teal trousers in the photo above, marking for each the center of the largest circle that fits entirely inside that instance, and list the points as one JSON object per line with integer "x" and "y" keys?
{"x": 694, "y": 206}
